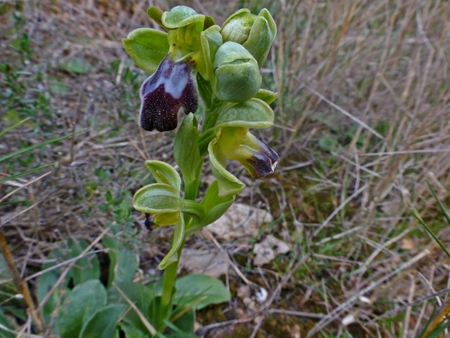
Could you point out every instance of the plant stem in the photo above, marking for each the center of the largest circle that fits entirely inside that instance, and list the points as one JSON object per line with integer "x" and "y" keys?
{"x": 170, "y": 276}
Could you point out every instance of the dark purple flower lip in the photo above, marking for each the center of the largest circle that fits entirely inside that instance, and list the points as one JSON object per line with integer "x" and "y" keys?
{"x": 163, "y": 94}
{"x": 262, "y": 162}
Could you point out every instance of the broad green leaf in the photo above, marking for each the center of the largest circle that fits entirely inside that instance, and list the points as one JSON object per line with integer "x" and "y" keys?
{"x": 164, "y": 173}
{"x": 180, "y": 16}
{"x": 183, "y": 327}
{"x": 132, "y": 332}
{"x": 87, "y": 267}
{"x": 104, "y": 322}
{"x": 141, "y": 295}
{"x": 157, "y": 198}
{"x": 229, "y": 185}
{"x": 123, "y": 262}
{"x": 185, "y": 148}
{"x": 202, "y": 288}
{"x": 177, "y": 240}
{"x": 80, "y": 304}
{"x": 253, "y": 113}
{"x": 147, "y": 47}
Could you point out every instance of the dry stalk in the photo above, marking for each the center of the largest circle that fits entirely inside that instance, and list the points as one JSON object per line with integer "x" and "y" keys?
{"x": 21, "y": 284}
{"x": 440, "y": 318}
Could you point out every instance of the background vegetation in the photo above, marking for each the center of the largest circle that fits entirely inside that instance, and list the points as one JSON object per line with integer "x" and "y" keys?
{"x": 362, "y": 123}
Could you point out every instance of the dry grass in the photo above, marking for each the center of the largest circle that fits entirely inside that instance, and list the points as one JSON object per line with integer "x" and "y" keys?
{"x": 362, "y": 122}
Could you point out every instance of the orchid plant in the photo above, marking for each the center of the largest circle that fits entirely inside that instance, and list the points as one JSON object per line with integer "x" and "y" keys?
{"x": 212, "y": 74}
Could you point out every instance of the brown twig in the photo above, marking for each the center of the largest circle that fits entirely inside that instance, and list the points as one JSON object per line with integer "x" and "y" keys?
{"x": 23, "y": 287}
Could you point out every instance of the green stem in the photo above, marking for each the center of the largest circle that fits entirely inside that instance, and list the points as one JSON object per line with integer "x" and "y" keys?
{"x": 170, "y": 277}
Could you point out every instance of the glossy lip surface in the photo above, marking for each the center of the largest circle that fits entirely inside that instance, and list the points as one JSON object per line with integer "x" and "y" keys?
{"x": 163, "y": 94}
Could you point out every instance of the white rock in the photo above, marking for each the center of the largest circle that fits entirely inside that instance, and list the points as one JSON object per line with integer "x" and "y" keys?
{"x": 212, "y": 262}
{"x": 240, "y": 220}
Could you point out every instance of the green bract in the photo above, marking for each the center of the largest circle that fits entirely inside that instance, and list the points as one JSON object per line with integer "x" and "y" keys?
{"x": 147, "y": 47}
{"x": 237, "y": 73}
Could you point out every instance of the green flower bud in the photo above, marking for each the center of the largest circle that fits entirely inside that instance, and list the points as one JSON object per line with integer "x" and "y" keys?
{"x": 237, "y": 27}
{"x": 237, "y": 73}
{"x": 254, "y": 32}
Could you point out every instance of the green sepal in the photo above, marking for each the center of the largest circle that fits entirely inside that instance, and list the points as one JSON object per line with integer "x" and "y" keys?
{"x": 214, "y": 206}
{"x": 261, "y": 37}
{"x": 157, "y": 198}
{"x": 166, "y": 219}
{"x": 181, "y": 16}
{"x": 155, "y": 14}
{"x": 253, "y": 113}
{"x": 177, "y": 240}
{"x": 229, "y": 185}
{"x": 147, "y": 47}
{"x": 209, "y": 21}
{"x": 194, "y": 209}
{"x": 211, "y": 40}
{"x": 164, "y": 173}
{"x": 266, "y": 95}
{"x": 186, "y": 150}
